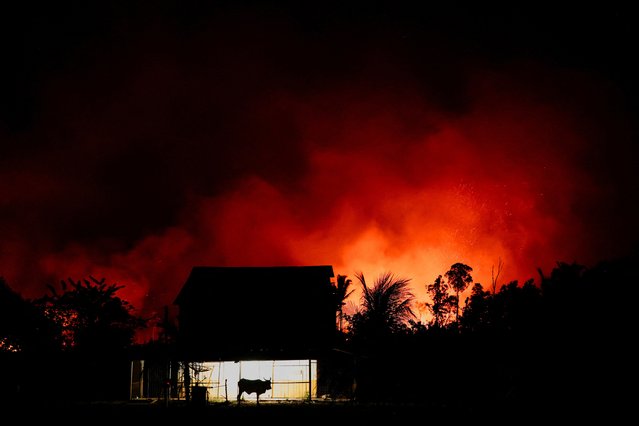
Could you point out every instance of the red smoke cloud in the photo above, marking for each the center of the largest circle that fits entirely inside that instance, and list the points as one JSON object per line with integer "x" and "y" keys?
{"x": 390, "y": 184}
{"x": 175, "y": 161}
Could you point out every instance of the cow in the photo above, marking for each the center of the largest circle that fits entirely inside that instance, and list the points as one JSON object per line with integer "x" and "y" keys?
{"x": 252, "y": 386}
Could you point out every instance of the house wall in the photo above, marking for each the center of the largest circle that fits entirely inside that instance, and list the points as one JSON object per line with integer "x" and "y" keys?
{"x": 290, "y": 379}
{"x": 149, "y": 378}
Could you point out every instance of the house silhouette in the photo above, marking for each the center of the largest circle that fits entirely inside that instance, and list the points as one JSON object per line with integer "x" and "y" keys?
{"x": 264, "y": 312}
{"x": 254, "y": 322}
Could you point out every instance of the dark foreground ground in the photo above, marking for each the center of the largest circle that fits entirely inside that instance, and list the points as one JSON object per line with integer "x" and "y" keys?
{"x": 328, "y": 413}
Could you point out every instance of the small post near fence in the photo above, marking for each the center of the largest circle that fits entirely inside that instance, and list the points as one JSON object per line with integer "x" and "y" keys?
{"x": 226, "y": 391}
{"x": 310, "y": 381}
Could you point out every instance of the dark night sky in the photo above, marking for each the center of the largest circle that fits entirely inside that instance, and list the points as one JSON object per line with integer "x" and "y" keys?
{"x": 139, "y": 140}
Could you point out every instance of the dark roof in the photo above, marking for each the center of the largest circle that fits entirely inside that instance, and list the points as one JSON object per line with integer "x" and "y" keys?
{"x": 240, "y": 280}
{"x": 243, "y": 311}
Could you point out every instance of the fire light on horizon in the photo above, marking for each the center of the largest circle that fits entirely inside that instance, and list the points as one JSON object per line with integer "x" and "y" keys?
{"x": 378, "y": 182}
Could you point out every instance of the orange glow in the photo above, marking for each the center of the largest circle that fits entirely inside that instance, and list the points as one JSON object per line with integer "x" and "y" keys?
{"x": 7, "y": 346}
{"x": 387, "y": 182}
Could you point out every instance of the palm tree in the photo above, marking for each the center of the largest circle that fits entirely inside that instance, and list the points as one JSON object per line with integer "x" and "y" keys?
{"x": 386, "y": 306}
{"x": 459, "y": 278}
{"x": 341, "y": 293}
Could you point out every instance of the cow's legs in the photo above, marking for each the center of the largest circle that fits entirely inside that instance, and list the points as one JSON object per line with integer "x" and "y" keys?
{"x": 239, "y": 394}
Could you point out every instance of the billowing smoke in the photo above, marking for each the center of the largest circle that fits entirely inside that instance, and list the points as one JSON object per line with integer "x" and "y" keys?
{"x": 251, "y": 142}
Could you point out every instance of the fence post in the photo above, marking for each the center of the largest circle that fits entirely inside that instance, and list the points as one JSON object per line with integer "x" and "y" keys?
{"x": 310, "y": 381}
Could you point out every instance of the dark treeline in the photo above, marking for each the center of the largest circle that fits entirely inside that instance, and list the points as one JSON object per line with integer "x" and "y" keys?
{"x": 560, "y": 340}
{"x": 72, "y": 344}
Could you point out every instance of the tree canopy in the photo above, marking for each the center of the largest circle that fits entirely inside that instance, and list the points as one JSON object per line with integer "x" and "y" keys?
{"x": 90, "y": 317}
{"x": 386, "y": 306}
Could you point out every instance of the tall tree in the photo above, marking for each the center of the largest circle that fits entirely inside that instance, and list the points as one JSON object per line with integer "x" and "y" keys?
{"x": 90, "y": 316}
{"x": 23, "y": 328}
{"x": 476, "y": 314}
{"x": 459, "y": 278}
{"x": 97, "y": 328}
{"x": 494, "y": 276}
{"x": 442, "y": 302}
{"x": 341, "y": 292}
{"x": 386, "y": 306}
{"x": 516, "y": 309}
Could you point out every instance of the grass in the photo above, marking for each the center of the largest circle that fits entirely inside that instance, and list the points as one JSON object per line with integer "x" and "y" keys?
{"x": 330, "y": 413}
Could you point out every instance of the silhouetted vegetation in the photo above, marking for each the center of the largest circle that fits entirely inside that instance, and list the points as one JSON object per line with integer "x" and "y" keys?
{"x": 459, "y": 279}
{"x": 559, "y": 342}
{"x": 442, "y": 303}
{"x": 341, "y": 292}
{"x": 71, "y": 344}
{"x": 23, "y": 326}
{"x": 386, "y": 307}
{"x": 89, "y": 317}
{"x": 556, "y": 343}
